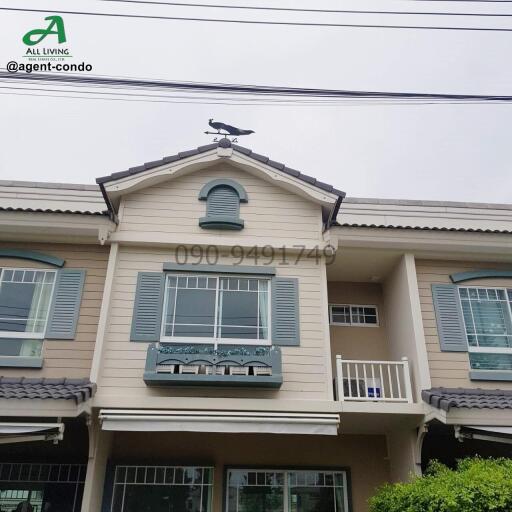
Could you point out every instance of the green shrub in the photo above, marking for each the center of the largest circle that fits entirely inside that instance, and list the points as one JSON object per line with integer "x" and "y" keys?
{"x": 477, "y": 485}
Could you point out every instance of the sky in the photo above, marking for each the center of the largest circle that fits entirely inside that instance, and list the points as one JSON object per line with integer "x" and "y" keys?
{"x": 439, "y": 152}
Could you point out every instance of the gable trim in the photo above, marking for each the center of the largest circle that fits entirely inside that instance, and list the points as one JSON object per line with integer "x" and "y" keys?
{"x": 212, "y": 149}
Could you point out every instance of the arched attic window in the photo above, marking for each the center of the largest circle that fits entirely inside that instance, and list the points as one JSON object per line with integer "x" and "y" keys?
{"x": 223, "y": 198}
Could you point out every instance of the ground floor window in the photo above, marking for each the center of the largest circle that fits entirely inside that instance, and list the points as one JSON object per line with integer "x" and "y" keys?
{"x": 162, "y": 489}
{"x": 41, "y": 487}
{"x": 286, "y": 491}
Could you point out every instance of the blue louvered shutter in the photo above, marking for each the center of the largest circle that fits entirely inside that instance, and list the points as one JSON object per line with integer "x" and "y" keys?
{"x": 223, "y": 201}
{"x": 450, "y": 321}
{"x": 65, "y": 307}
{"x": 147, "y": 311}
{"x": 285, "y": 311}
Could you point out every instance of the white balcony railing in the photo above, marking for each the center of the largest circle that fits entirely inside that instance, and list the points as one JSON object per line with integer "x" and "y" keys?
{"x": 373, "y": 381}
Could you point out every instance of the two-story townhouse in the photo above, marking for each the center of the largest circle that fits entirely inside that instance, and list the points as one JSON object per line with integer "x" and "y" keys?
{"x": 238, "y": 337}
{"x": 52, "y": 272}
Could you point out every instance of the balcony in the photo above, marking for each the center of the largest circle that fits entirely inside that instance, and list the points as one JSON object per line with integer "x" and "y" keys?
{"x": 373, "y": 381}
{"x": 203, "y": 365}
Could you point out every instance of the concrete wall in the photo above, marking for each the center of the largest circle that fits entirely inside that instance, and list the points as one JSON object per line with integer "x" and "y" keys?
{"x": 63, "y": 358}
{"x": 404, "y": 324}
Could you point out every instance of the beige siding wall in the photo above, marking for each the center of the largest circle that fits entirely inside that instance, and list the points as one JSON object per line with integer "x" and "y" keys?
{"x": 272, "y": 216}
{"x": 123, "y": 362}
{"x": 173, "y": 209}
{"x": 366, "y": 343}
{"x": 71, "y": 358}
{"x": 364, "y": 457}
{"x": 450, "y": 369}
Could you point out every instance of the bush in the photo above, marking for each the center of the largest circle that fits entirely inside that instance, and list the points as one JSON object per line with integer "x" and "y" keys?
{"x": 477, "y": 485}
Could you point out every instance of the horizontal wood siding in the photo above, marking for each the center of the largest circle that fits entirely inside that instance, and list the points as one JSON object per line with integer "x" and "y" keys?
{"x": 123, "y": 361}
{"x": 174, "y": 209}
{"x": 68, "y": 358}
{"x": 450, "y": 369}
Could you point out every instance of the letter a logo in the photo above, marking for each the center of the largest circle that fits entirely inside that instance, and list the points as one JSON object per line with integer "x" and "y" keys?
{"x": 55, "y": 27}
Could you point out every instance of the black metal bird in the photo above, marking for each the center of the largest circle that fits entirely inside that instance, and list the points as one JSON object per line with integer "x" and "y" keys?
{"x": 232, "y": 130}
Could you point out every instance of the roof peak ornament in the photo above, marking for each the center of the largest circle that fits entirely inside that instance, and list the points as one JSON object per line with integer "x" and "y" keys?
{"x": 224, "y": 131}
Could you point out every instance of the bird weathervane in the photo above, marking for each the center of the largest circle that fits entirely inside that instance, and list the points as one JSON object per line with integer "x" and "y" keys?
{"x": 228, "y": 130}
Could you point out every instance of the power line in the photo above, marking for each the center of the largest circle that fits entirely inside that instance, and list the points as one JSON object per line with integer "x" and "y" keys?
{"x": 465, "y": 1}
{"x": 338, "y": 104}
{"x": 303, "y": 10}
{"x": 260, "y": 22}
{"x": 196, "y": 99}
{"x": 254, "y": 90}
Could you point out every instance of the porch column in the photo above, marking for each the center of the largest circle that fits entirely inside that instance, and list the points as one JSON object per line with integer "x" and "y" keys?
{"x": 402, "y": 455}
{"x": 100, "y": 443}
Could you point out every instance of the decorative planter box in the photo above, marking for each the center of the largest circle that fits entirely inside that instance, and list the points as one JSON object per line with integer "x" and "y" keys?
{"x": 200, "y": 365}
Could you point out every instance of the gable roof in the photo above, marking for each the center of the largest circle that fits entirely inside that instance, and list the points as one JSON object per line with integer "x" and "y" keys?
{"x": 224, "y": 143}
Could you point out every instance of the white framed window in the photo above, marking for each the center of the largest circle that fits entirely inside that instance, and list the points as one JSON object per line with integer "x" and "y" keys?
{"x": 216, "y": 309}
{"x": 25, "y": 298}
{"x": 41, "y": 487}
{"x": 488, "y": 322}
{"x": 286, "y": 490}
{"x": 353, "y": 315}
{"x": 138, "y": 488}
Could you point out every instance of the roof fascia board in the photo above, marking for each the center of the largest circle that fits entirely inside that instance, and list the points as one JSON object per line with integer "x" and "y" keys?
{"x": 290, "y": 183}
{"x": 154, "y": 176}
{"x": 188, "y": 165}
{"x": 50, "y": 226}
{"x": 484, "y": 417}
{"x": 47, "y": 408}
{"x": 464, "y": 416}
{"x": 430, "y": 243}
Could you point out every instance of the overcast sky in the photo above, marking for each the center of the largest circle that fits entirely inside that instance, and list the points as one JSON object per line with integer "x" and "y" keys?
{"x": 457, "y": 152}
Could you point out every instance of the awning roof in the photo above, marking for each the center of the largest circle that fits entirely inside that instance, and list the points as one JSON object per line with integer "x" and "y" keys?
{"x": 219, "y": 422}
{"x": 484, "y": 433}
{"x": 25, "y": 432}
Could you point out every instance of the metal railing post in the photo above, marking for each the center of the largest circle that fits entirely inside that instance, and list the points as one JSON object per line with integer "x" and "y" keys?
{"x": 407, "y": 380}
{"x": 339, "y": 378}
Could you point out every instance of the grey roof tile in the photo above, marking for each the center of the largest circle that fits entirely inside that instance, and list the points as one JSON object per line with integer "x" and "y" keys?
{"x": 79, "y": 390}
{"x": 260, "y": 158}
{"x": 207, "y": 147}
{"x": 49, "y": 210}
{"x": 291, "y": 172}
{"x": 223, "y": 143}
{"x": 186, "y": 154}
{"x": 421, "y": 228}
{"x": 447, "y": 398}
{"x": 276, "y": 165}
{"x": 419, "y": 202}
{"x": 51, "y": 185}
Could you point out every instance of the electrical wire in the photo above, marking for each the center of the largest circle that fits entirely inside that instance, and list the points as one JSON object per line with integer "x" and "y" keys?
{"x": 340, "y": 103}
{"x": 261, "y": 22}
{"x": 251, "y": 90}
{"x": 302, "y": 10}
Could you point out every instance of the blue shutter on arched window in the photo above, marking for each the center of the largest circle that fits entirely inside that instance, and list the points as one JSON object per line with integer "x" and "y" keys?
{"x": 223, "y": 198}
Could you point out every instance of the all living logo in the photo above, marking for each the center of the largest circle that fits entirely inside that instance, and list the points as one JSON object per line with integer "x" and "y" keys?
{"x": 55, "y": 33}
